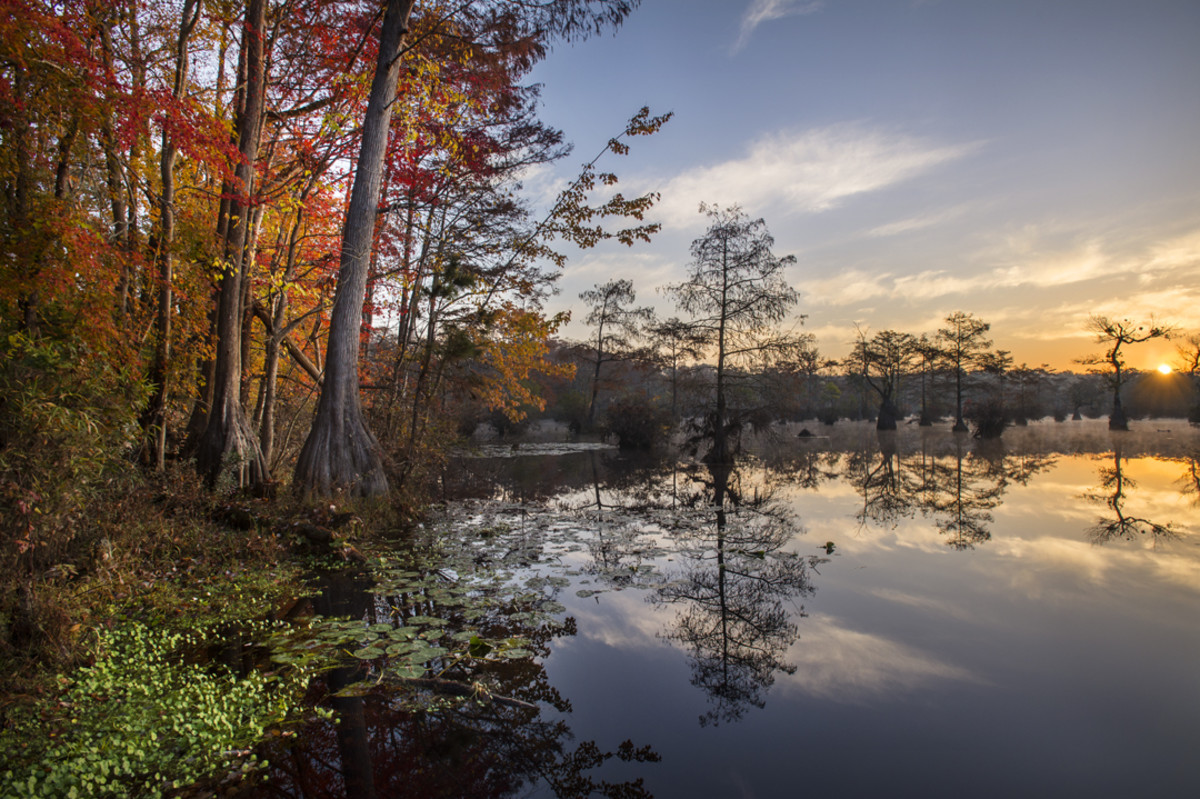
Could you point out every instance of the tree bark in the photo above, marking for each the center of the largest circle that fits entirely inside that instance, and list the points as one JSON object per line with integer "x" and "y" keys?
{"x": 228, "y": 448}
{"x": 154, "y": 421}
{"x": 341, "y": 453}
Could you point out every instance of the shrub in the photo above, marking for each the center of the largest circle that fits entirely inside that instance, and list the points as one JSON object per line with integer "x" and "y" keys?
{"x": 987, "y": 418}
{"x": 68, "y": 422}
{"x": 637, "y": 422}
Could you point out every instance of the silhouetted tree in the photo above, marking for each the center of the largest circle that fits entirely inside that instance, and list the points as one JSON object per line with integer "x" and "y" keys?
{"x": 928, "y": 354}
{"x": 1115, "y": 334}
{"x": 1114, "y": 484}
{"x": 734, "y": 595}
{"x": 738, "y": 294}
{"x": 883, "y": 360}
{"x": 1189, "y": 364}
{"x": 888, "y": 490}
{"x": 961, "y": 492}
{"x": 617, "y": 325}
{"x": 1028, "y": 381}
{"x": 671, "y": 343}
{"x": 961, "y": 345}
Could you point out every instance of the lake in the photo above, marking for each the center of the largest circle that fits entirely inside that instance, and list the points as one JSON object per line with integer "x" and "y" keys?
{"x": 849, "y": 614}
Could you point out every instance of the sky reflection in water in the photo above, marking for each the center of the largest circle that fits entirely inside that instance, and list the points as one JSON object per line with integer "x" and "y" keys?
{"x": 1000, "y": 620}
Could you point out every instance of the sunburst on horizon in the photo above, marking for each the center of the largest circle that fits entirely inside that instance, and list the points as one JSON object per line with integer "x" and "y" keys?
{"x": 1164, "y": 368}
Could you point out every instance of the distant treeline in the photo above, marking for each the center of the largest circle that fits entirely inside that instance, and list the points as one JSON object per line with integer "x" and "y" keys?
{"x": 833, "y": 393}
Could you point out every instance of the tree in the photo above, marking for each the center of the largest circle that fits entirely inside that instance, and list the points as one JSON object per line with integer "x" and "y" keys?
{"x": 229, "y": 444}
{"x": 884, "y": 359}
{"x": 1189, "y": 364}
{"x": 341, "y": 453}
{"x": 1028, "y": 381}
{"x": 672, "y": 342}
{"x": 617, "y": 325}
{"x": 929, "y": 354}
{"x": 1114, "y": 484}
{"x": 737, "y": 294}
{"x": 733, "y": 589}
{"x": 962, "y": 346}
{"x": 1114, "y": 334}
{"x": 155, "y": 417}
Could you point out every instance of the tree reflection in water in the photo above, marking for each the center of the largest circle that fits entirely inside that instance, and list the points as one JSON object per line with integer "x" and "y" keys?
{"x": 1114, "y": 484}
{"x": 958, "y": 489}
{"x": 733, "y": 593}
{"x": 476, "y": 729}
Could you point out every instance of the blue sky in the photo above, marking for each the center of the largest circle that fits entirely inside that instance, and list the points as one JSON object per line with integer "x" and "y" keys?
{"x": 1030, "y": 162}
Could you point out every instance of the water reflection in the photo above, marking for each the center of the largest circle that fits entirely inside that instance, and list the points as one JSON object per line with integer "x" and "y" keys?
{"x": 955, "y": 482}
{"x": 690, "y": 603}
{"x": 957, "y": 489}
{"x": 733, "y": 592}
{"x": 468, "y": 726}
{"x": 1122, "y": 525}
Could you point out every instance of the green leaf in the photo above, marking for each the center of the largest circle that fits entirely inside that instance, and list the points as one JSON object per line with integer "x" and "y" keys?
{"x": 368, "y": 653}
{"x": 516, "y": 653}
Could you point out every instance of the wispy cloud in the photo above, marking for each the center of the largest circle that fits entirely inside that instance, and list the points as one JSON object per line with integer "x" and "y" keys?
{"x": 846, "y": 287}
{"x": 1088, "y": 262}
{"x": 915, "y": 223}
{"x": 1179, "y": 253}
{"x": 761, "y": 11}
{"x": 852, "y": 666}
{"x": 806, "y": 171}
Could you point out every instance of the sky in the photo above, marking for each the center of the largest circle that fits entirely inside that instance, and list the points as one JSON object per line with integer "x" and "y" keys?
{"x": 1030, "y": 162}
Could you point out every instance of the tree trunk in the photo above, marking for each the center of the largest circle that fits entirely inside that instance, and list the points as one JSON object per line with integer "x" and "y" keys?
{"x": 275, "y": 337}
{"x": 341, "y": 453}
{"x": 960, "y": 425}
{"x": 1118, "y": 420}
{"x": 154, "y": 421}
{"x": 228, "y": 448}
{"x": 887, "y": 415}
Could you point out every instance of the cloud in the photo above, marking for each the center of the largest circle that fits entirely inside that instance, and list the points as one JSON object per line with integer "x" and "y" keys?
{"x": 1179, "y": 253}
{"x": 853, "y": 666}
{"x": 1088, "y": 262}
{"x": 808, "y": 171}
{"x": 911, "y": 224}
{"x": 761, "y": 11}
{"x": 847, "y": 287}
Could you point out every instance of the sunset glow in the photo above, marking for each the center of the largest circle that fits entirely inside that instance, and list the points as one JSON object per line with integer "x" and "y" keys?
{"x": 892, "y": 177}
{"x": 1164, "y": 368}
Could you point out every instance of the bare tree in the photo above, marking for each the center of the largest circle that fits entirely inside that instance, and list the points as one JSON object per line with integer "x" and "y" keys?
{"x": 1115, "y": 334}
{"x": 617, "y": 324}
{"x": 1189, "y": 364}
{"x": 673, "y": 342}
{"x": 929, "y": 355}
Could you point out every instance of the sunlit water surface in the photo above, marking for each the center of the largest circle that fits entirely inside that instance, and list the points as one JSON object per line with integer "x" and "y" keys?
{"x": 848, "y": 615}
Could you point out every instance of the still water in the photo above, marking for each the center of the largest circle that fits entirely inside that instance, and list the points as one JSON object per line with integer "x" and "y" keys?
{"x": 849, "y": 614}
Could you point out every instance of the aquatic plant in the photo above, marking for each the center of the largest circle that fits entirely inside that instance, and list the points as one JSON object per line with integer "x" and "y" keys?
{"x": 142, "y": 722}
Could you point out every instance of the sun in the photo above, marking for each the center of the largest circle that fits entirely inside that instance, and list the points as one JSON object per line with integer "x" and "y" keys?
{"x": 1164, "y": 368}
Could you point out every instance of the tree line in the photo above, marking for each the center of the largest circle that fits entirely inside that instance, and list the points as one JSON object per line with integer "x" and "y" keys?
{"x": 742, "y": 368}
